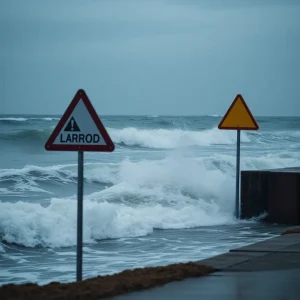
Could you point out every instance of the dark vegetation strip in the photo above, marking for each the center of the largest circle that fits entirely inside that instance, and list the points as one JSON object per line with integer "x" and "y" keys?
{"x": 105, "y": 286}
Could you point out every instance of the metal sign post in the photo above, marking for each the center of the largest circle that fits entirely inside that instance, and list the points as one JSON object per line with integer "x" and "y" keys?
{"x": 237, "y": 188}
{"x": 79, "y": 216}
{"x": 80, "y": 129}
{"x": 238, "y": 117}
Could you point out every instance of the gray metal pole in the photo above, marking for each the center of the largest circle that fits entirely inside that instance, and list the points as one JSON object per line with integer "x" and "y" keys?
{"x": 79, "y": 216}
{"x": 237, "y": 192}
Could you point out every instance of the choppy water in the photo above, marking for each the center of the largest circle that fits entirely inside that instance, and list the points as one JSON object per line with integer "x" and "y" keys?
{"x": 166, "y": 194}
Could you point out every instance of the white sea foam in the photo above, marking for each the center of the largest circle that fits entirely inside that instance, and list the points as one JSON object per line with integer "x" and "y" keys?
{"x": 26, "y": 119}
{"x": 177, "y": 192}
{"x": 164, "y": 172}
{"x": 14, "y": 119}
{"x": 145, "y": 196}
{"x": 28, "y": 186}
{"x": 50, "y": 119}
{"x": 31, "y": 224}
{"x": 227, "y": 163}
{"x": 45, "y": 119}
{"x": 50, "y": 170}
{"x": 164, "y": 138}
{"x": 29, "y": 178}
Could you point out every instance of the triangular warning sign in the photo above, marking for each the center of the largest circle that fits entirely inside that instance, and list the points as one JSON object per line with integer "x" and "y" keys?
{"x": 238, "y": 116}
{"x": 80, "y": 129}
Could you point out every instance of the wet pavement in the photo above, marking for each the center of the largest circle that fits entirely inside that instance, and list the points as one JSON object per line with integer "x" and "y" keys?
{"x": 283, "y": 284}
{"x": 265, "y": 270}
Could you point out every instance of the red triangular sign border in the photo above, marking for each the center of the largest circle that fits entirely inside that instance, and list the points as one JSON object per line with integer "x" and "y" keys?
{"x": 80, "y": 95}
{"x": 239, "y": 96}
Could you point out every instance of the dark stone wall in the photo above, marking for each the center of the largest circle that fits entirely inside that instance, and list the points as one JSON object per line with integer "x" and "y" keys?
{"x": 275, "y": 192}
{"x": 254, "y": 193}
{"x": 283, "y": 200}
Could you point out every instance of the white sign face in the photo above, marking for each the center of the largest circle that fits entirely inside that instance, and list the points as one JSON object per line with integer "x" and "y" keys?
{"x": 80, "y": 129}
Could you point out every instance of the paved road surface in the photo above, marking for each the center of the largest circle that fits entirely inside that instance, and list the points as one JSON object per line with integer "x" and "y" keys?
{"x": 266, "y": 270}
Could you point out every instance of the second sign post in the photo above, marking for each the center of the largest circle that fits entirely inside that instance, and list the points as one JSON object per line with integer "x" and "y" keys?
{"x": 238, "y": 117}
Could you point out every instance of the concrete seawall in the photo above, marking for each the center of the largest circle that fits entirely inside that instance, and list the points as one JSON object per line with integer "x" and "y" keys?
{"x": 275, "y": 192}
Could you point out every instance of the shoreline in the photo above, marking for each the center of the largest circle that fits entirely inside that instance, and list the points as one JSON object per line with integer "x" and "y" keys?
{"x": 139, "y": 279}
{"x": 101, "y": 258}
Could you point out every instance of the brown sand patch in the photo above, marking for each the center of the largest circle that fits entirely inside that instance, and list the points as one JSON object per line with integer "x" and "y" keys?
{"x": 291, "y": 230}
{"x": 105, "y": 286}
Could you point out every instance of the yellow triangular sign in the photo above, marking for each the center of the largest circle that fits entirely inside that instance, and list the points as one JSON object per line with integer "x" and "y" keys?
{"x": 238, "y": 116}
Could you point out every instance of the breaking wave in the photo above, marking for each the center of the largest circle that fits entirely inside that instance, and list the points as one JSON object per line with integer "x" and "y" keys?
{"x": 33, "y": 225}
{"x": 152, "y": 138}
{"x": 62, "y": 174}
{"x": 140, "y": 201}
{"x": 163, "y": 138}
{"x": 136, "y": 198}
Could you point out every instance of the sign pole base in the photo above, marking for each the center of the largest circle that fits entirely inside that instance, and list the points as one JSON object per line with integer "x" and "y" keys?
{"x": 79, "y": 216}
{"x": 237, "y": 191}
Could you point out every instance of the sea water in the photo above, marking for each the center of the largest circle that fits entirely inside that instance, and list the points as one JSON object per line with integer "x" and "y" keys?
{"x": 165, "y": 195}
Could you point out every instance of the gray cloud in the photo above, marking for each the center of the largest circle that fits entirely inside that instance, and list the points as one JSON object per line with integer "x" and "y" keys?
{"x": 150, "y": 57}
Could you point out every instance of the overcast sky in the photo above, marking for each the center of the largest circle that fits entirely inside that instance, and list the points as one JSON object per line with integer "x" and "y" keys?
{"x": 150, "y": 57}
